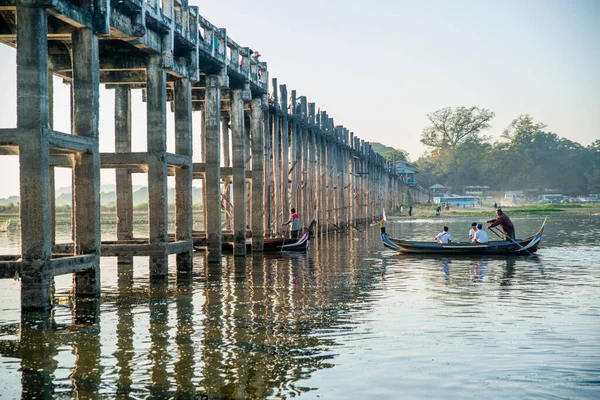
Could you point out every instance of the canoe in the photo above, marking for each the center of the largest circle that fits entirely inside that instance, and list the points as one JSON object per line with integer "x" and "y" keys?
{"x": 518, "y": 247}
{"x": 301, "y": 243}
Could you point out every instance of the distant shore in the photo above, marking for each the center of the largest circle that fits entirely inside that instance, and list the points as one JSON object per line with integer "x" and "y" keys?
{"x": 428, "y": 211}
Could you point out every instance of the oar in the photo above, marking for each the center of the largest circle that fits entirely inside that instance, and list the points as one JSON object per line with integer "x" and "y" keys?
{"x": 287, "y": 227}
{"x": 511, "y": 239}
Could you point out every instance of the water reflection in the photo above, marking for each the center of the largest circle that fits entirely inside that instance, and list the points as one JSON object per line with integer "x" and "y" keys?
{"x": 273, "y": 326}
{"x": 479, "y": 270}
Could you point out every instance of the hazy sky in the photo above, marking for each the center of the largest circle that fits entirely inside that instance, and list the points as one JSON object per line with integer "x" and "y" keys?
{"x": 378, "y": 67}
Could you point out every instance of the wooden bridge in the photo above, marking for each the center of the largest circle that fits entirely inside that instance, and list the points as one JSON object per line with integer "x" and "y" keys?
{"x": 262, "y": 152}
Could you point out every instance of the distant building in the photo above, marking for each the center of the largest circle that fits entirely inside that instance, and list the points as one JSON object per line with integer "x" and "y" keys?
{"x": 516, "y": 196}
{"x": 437, "y": 190}
{"x": 407, "y": 172}
{"x": 476, "y": 190}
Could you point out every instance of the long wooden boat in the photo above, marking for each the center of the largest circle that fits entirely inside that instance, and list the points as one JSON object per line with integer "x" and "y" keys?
{"x": 301, "y": 243}
{"x": 518, "y": 247}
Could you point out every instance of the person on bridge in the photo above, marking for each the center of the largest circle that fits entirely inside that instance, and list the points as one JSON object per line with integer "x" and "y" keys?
{"x": 480, "y": 235}
{"x": 295, "y": 221}
{"x": 507, "y": 226}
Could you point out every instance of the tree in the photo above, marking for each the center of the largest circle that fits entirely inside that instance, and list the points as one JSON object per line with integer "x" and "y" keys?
{"x": 450, "y": 127}
{"x": 522, "y": 124}
{"x": 396, "y": 154}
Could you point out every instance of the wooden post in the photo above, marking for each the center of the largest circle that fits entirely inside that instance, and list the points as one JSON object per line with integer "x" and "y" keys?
{"x": 285, "y": 203}
{"x": 258, "y": 210}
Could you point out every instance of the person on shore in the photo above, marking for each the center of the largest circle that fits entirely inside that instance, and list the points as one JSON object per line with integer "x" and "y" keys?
{"x": 443, "y": 237}
{"x": 480, "y": 235}
{"x": 507, "y": 226}
{"x": 295, "y": 221}
{"x": 410, "y": 210}
{"x": 472, "y": 230}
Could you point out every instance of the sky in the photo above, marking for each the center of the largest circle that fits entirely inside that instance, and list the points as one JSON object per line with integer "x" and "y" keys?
{"x": 379, "y": 67}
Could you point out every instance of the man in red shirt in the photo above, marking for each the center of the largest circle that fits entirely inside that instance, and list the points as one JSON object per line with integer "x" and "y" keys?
{"x": 507, "y": 226}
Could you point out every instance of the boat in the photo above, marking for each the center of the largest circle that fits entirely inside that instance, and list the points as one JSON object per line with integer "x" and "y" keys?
{"x": 301, "y": 243}
{"x": 526, "y": 246}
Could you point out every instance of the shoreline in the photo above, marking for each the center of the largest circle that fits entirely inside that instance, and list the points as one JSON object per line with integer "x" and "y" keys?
{"x": 428, "y": 211}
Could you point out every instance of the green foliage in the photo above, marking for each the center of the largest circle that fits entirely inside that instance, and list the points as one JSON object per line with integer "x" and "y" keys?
{"x": 520, "y": 125}
{"x": 10, "y": 208}
{"x": 529, "y": 158}
{"x": 451, "y": 127}
{"x": 395, "y": 154}
{"x": 389, "y": 152}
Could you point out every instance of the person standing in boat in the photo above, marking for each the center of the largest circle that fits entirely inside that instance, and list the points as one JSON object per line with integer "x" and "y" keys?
{"x": 480, "y": 235}
{"x": 507, "y": 226}
{"x": 443, "y": 237}
{"x": 295, "y": 221}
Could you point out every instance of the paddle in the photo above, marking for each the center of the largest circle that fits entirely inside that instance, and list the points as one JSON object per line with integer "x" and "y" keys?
{"x": 287, "y": 227}
{"x": 511, "y": 239}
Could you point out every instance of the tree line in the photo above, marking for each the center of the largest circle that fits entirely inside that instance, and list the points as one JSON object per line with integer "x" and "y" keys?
{"x": 526, "y": 157}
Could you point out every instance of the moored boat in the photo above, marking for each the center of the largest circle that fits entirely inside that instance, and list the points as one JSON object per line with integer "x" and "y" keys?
{"x": 525, "y": 246}
{"x": 301, "y": 243}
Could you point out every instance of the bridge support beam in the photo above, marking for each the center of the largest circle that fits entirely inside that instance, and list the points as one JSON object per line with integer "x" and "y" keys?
{"x": 238, "y": 144}
{"x": 86, "y": 170}
{"x": 183, "y": 174}
{"x": 212, "y": 160}
{"x": 34, "y": 157}
{"x": 258, "y": 155}
{"x": 157, "y": 168}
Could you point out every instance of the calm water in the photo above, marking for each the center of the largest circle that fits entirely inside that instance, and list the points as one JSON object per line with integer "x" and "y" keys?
{"x": 349, "y": 320}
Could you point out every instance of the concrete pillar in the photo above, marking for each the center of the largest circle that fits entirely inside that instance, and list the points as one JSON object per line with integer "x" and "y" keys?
{"x": 212, "y": 181}
{"x": 258, "y": 207}
{"x": 34, "y": 156}
{"x": 123, "y": 176}
{"x": 226, "y": 151}
{"x": 238, "y": 142}
{"x": 86, "y": 170}
{"x": 157, "y": 168}
{"x": 183, "y": 176}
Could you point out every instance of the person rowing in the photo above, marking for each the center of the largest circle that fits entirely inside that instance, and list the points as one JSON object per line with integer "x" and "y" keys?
{"x": 507, "y": 226}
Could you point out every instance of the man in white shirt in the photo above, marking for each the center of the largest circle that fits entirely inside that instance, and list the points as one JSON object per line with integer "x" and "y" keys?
{"x": 443, "y": 237}
{"x": 480, "y": 235}
{"x": 472, "y": 230}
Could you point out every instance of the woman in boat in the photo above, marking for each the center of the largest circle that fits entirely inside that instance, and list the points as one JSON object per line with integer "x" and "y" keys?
{"x": 507, "y": 226}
